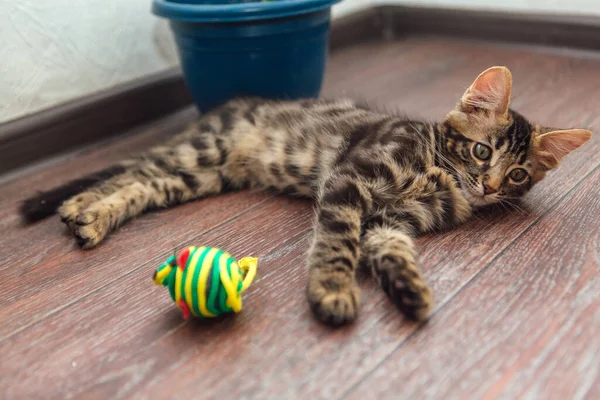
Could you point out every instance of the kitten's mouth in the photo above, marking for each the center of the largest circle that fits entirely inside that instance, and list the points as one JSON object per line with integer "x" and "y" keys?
{"x": 475, "y": 196}
{"x": 477, "y": 199}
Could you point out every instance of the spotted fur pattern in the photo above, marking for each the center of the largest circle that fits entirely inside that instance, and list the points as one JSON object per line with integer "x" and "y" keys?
{"x": 377, "y": 180}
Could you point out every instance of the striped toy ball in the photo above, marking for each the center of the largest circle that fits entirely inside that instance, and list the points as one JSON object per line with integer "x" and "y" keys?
{"x": 206, "y": 282}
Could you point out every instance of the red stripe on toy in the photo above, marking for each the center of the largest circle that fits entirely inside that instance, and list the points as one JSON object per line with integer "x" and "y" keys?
{"x": 182, "y": 258}
{"x": 185, "y": 309}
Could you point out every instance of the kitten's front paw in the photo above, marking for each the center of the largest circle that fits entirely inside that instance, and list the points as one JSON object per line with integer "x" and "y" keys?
{"x": 401, "y": 280}
{"x": 91, "y": 226}
{"x": 333, "y": 299}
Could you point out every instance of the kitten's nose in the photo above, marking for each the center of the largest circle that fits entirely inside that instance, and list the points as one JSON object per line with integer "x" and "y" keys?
{"x": 488, "y": 189}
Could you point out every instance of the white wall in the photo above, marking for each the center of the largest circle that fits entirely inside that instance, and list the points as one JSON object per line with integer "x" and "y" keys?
{"x": 52, "y": 51}
{"x": 585, "y": 7}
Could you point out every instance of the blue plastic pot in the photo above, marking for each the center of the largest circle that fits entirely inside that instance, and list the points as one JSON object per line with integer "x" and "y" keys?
{"x": 275, "y": 49}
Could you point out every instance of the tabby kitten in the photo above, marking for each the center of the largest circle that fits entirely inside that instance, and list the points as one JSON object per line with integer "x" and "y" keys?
{"x": 378, "y": 180}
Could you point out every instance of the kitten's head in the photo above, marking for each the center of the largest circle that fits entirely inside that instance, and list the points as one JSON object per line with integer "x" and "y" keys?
{"x": 498, "y": 153}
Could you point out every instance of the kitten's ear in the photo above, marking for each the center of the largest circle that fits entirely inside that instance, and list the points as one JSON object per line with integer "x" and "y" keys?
{"x": 490, "y": 91}
{"x": 553, "y": 146}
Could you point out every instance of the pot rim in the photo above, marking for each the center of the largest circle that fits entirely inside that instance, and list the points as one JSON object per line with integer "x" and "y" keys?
{"x": 237, "y": 12}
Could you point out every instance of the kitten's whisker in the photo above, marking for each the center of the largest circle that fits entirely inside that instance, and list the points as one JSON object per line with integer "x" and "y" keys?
{"x": 477, "y": 217}
{"x": 523, "y": 212}
{"x": 505, "y": 203}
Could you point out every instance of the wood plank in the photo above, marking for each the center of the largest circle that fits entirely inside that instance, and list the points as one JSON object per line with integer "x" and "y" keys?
{"x": 425, "y": 77}
{"x": 126, "y": 345}
{"x": 54, "y": 272}
{"x": 191, "y": 357}
{"x": 105, "y": 331}
{"x": 526, "y": 327}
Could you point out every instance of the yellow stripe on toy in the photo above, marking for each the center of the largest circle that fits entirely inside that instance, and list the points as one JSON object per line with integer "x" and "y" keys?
{"x": 206, "y": 282}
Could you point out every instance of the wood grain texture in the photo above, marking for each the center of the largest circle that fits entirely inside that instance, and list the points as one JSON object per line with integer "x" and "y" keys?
{"x": 59, "y": 273}
{"x": 91, "y": 324}
{"x": 138, "y": 314}
{"x": 525, "y": 327}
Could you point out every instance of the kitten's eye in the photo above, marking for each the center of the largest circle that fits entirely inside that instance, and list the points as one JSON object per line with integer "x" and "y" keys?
{"x": 518, "y": 174}
{"x": 482, "y": 152}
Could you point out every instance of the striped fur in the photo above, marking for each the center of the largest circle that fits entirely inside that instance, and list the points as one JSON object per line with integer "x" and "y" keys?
{"x": 377, "y": 180}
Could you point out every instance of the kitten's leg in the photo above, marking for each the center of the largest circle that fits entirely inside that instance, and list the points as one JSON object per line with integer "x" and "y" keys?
{"x": 387, "y": 244}
{"x": 165, "y": 176}
{"x": 332, "y": 290}
{"x": 390, "y": 255}
{"x": 108, "y": 212}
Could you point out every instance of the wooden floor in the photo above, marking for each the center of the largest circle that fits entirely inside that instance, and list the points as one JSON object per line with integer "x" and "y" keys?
{"x": 517, "y": 310}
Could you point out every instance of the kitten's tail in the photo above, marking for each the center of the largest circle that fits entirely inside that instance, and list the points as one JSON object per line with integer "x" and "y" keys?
{"x": 45, "y": 204}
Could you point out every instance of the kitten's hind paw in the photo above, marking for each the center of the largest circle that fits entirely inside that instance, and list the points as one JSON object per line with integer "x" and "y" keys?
{"x": 92, "y": 225}
{"x": 72, "y": 208}
{"x": 89, "y": 227}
